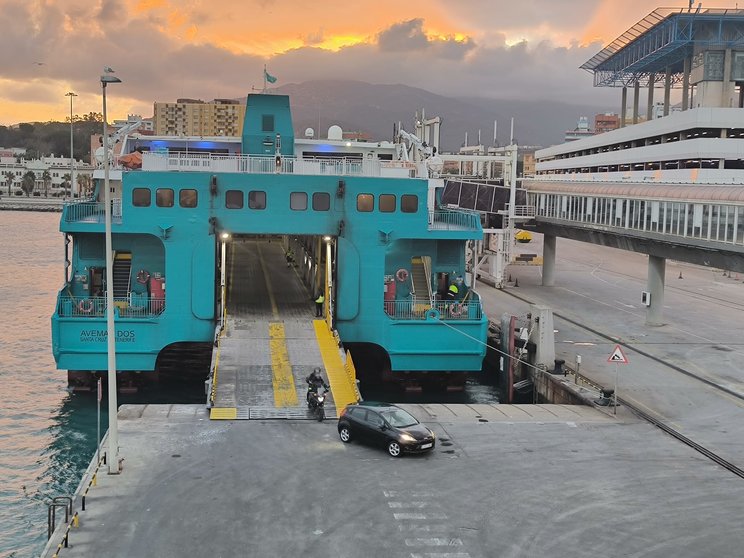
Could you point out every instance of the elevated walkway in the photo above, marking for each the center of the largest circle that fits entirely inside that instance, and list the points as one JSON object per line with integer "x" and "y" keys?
{"x": 272, "y": 341}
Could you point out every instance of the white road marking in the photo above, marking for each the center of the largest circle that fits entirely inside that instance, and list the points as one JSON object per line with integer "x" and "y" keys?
{"x": 408, "y": 504}
{"x": 434, "y": 542}
{"x": 408, "y": 515}
{"x": 442, "y": 555}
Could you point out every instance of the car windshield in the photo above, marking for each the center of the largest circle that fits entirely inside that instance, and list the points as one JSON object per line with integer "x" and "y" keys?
{"x": 399, "y": 418}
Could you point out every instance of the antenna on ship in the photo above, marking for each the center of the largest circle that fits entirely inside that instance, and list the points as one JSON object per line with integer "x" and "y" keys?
{"x": 495, "y": 129}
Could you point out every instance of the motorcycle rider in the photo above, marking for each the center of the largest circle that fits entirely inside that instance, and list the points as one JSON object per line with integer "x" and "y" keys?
{"x": 314, "y": 382}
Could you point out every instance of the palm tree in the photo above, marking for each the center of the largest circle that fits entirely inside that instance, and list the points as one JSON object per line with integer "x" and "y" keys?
{"x": 28, "y": 183}
{"x": 9, "y": 178}
{"x": 66, "y": 183}
{"x": 83, "y": 181}
{"x": 46, "y": 178}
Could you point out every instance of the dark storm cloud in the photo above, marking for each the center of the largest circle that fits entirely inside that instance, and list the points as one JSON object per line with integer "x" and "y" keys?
{"x": 402, "y": 37}
{"x": 110, "y": 10}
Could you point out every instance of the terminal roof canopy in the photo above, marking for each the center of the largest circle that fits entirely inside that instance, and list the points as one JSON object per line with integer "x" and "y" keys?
{"x": 661, "y": 40}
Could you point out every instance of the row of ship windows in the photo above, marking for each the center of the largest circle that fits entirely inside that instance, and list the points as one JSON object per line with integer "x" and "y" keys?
{"x": 298, "y": 201}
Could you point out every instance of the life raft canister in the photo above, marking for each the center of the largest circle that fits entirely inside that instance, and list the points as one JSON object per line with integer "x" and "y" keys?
{"x": 85, "y": 306}
{"x": 401, "y": 275}
{"x": 143, "y": 276}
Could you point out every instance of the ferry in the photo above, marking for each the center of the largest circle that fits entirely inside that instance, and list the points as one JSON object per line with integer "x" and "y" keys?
{"x": 364, "y": 222}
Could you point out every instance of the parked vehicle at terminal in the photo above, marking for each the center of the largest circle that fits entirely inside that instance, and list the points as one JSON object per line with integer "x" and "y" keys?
{"x": 385, "y": 425}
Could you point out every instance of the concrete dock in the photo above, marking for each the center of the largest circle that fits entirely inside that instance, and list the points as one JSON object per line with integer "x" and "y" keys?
{"x": 511, "y": 481}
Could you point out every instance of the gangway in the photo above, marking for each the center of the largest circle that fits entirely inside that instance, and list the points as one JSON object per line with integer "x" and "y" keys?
{"x": 271, "y": 341}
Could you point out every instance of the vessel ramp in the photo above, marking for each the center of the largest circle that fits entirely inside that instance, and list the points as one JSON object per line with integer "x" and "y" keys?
{"x": 272, "y": 340}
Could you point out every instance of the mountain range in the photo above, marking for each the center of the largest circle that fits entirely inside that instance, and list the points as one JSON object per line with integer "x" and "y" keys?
{"x": 374, "y": 109}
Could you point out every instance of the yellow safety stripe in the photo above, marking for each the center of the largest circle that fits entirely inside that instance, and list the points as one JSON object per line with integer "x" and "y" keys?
{"x": 223, "y": 413}
{"x": 285, "y": 393}
{"x": 343, "y": 391}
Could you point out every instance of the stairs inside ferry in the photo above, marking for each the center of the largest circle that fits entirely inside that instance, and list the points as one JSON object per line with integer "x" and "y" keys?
{"x": 420, "y": 282}
{"x": 122, "y": 274}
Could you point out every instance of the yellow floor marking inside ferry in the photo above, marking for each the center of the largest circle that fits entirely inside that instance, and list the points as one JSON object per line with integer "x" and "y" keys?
{"x": 285, "y": 393}
{"x": 344, "y": 392}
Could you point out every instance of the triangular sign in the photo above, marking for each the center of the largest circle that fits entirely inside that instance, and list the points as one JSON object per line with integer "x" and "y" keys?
{"x": 618, "y": 356}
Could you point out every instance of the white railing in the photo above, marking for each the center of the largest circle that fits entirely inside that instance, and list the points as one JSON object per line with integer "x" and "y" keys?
{"x": 208, "y": 162}
{"x": 452, "y": 219}
{"x": 134, "y": 306}
{"x": 441, "y": 310}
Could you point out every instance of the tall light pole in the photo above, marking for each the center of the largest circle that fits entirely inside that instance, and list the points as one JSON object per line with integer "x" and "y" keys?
{"x": 70, "y": 94}
{"x": 113, "y": 434}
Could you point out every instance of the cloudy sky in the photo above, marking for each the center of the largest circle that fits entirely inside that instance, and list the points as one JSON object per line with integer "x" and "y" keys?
{"x": 164, "y": 49}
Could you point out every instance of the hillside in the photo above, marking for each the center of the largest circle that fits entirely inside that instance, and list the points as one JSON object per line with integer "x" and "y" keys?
{"x": 373, "y": 108}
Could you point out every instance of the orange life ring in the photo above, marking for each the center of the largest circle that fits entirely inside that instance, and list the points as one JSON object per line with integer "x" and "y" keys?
{"x": 143, "y": 276}
{"x": 401, "y": 275}
{"x": 457, "y": 309}
{"x": 85, "y": 306}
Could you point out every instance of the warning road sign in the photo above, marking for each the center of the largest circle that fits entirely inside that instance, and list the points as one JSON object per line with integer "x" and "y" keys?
{"x": 617, "y": 356}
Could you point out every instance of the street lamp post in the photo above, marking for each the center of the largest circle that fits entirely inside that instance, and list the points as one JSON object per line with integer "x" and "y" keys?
{"x": 70, "y": 94}
{"x": 113, "y": 433}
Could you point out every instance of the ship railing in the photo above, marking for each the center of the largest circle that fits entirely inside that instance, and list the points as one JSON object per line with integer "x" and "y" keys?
{"x": 259, "y": 164}
{"x": 90, "y": 212}
{"x": 448, "y": 219}
{"x": 406, "y": 310}
{"x": 133, "y": 306}
{"x": 521, "y": 210}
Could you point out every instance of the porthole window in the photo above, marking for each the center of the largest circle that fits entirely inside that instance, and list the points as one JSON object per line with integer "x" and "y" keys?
{"x": 164, "y": 197}
{"x": 298, "y": 201}
{"x": 409, "y": 203}
{"x": 365, "y": 202}
{"x": 141, "y": 197}
{"x": 188, "y": 198}
{"x": 386, "y": 203}
{"x": 321, "y": 201}
{"x": 257, "y": 199}
{"x": 234, "y": 199}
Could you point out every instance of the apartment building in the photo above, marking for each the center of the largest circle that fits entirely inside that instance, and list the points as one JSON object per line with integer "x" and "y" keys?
{"x": 192, "y": 117}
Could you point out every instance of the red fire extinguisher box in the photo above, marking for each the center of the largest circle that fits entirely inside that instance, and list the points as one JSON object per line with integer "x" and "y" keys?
{"x": 157, "y": 293}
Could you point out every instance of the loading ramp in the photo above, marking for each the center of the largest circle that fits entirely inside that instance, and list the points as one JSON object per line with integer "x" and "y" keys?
{"x": 272, "y": 341}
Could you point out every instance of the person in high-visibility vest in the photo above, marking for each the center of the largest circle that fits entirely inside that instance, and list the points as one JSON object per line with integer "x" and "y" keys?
{"x": 319, "y": 306}
{"x": 452, "y": 292}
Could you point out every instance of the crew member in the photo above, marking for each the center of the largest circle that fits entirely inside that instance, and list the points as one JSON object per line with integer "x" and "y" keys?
{"x": 290, "y": 257}
{"x": 319, "y": 306}
{"x": 452, "y": 293}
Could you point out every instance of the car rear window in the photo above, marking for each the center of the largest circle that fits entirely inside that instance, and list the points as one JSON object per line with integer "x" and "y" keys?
{"x": 399, "y": 418}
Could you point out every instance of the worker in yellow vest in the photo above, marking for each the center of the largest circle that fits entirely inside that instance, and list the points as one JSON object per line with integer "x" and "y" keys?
{"x": 452, "y": 292}
{"x": 319, "y": 306}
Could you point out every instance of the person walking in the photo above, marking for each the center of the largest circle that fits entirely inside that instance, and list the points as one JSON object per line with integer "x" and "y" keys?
{"x": 452, "y": 293}
{"x": 319, "y": 306}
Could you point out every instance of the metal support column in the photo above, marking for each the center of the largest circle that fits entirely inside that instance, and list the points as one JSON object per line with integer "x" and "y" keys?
{"x": 548, "y": 267}
{"x": 667, "y": 90}
{"x": 686, "y": 85}
{"x": 655, "y": 286}
{"x": 650, "y": 101}
{"x": 636, "y": 98}
{"x": 624, "y": 108}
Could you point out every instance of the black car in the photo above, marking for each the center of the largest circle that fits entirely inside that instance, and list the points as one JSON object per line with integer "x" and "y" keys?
{"x": 385, "y": 425}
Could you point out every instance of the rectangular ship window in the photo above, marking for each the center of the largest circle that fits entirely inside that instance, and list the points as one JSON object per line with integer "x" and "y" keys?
{"x": 257, "y": 199}
{"x": 409, "y": 203}
{"x": 387, "y": 203}
{"x": 267, "y": 122}
{"x": 321, "y": 201}
{"x": 141, "y": 197}
{"x": 365, "y": 202}
{"x": 164, "y": 197}
{"x": 234, "y": 199}
{"x": 298, "y": 201}
{"x": 188, "y": 198}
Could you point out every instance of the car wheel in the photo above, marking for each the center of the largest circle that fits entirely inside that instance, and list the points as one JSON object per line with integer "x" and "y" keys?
{"x": 345, "y": 434}
{"x": 394, "y": 448}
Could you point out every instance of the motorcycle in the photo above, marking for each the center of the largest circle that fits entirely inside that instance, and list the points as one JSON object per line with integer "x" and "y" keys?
{"x": 316, "y": 401}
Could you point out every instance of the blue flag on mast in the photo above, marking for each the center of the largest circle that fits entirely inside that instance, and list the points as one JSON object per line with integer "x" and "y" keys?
{"x": 268, "y": 77}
